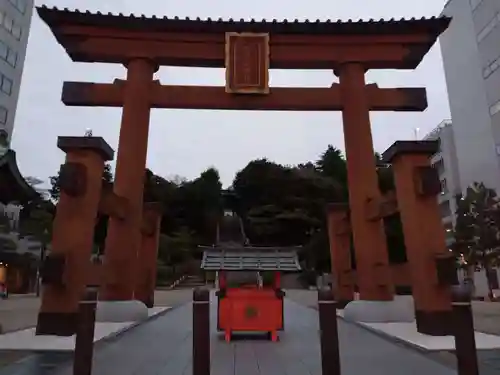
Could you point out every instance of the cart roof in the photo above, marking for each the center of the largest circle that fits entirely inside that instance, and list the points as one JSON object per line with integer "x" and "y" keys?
{"x": 250, "y": 259}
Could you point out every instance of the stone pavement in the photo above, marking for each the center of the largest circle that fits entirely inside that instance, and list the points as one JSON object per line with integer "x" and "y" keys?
{"x": 20, "y": 312}
{"x": 486, "y": 319}
{"x": 164, "y": 346}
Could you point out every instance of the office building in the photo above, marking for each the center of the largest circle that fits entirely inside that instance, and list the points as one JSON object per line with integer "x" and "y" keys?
{"x": 446, "y": 163}
{"x": 15, "y": 22}
{"x": 471, "y": 59}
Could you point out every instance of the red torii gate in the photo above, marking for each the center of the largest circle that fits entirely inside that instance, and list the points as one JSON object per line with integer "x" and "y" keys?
{"x": 247, "y": 50}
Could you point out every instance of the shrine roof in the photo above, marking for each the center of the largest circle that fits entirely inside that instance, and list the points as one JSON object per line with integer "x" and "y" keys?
{"x": 13, "y": 187}
{"x": 55, "y": 17}
{"x": 250, "y": 259}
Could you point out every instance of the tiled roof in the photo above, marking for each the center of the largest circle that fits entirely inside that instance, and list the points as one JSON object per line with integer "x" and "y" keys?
{"x": 250, "y": 259}
{"x": 13, "y": 186}
{"x": 55, "y": 16}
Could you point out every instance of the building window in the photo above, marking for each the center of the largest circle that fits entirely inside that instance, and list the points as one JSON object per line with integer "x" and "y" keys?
{"x": 495, "y": 108}
{"x": 488, "y": 28}
{"x": 8, "y": 54}
{"x": 16, "y": 31}
{"x": 6, "y": 84}
{"x": 10, "y": 25}
{"x": 20, "y": 5}
{"x": 4, "y": 113}
{"x": 475, "y": 3}
{"x": 11, "y": 58}
{"x": 491, "y": 68}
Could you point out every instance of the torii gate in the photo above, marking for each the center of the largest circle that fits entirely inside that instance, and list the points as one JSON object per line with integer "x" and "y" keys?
{"x": 248, "y": 50}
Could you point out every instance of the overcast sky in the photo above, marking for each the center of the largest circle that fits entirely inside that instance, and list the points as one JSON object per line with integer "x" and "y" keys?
{"x": 185, "y": 142}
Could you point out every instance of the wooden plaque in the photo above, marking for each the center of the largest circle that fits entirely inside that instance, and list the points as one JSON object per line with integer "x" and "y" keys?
{"x": 247, "y": 63}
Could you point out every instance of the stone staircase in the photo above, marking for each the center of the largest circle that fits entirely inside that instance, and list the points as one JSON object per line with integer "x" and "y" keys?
{"x": 191, "y": 282}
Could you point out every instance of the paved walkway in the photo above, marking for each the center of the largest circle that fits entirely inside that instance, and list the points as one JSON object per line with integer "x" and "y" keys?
{"x": 163, "y": 346}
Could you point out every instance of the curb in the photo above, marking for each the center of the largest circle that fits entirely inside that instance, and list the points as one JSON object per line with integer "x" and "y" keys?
{"x": 116, "y": 335}
{"x": 405, "y": 344}
{"x": 388, "y": 337}
{"x": 395, "y": 340}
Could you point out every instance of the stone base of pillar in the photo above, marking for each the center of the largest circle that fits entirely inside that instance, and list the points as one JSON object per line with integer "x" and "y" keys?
{"x": 400, "y": 310}
{"x": 56, "y": 323}
{"x": 149, "y": 302}
{"x": 121, "y": 311}
{"x": 342, "y": 303}
{"x": 434, "y": 323}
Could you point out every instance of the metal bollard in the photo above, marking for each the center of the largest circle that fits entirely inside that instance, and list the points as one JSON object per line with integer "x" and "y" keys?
{"x": 84, "y": 342}
{"x": 329, "y": 335}
{"x": 463, "y": 327}
{"x": 201, "y": 332}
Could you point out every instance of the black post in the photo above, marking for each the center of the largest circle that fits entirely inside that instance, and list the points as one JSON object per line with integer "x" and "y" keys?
{"x": 201, "y": 332}
{"x": 329, "y": 335}
{"x": 84, "y": 342}
{"x": 463, "y": 327}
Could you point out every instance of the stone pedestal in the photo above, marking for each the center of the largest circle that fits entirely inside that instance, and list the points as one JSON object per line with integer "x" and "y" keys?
{"x": 148, "y": 253}
{"x": 121, "y": 311}
{"x": 339, "y": 236}
{"x": 399, "y": 310}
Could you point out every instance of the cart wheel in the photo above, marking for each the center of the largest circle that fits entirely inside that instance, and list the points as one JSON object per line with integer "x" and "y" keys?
{"x": 227, "y": 336}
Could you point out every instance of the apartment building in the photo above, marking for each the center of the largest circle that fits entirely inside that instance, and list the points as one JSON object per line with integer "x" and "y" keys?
{"x": 446, "y": 163}
{"x": 471, "y": 59}
{"x": 15, "y": 22}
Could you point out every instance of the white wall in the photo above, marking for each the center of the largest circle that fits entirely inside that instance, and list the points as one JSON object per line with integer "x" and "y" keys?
{"x": 476, "y": 153}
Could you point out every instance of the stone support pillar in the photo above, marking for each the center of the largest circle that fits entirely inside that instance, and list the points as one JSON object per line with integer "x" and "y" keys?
{"x": 431, "y": 264}
{"x": 66, "y": 268}
{"x": 148, "y": 254}
{"x": 372, "y": 261}
{"x": 123, "y": 239}
{"x": 339, "y": 235}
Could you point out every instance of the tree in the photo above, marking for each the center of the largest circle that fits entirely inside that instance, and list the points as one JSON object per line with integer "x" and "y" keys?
{"x": 35, "y": 221}
{"x": 477, "y": 234}
{"x": 6, "y": 243}
{"x": 332, "y": 164}
{"x": 55, "y": 190}
{"x": 176, "y": 248}
{"x": 285, "y": 205}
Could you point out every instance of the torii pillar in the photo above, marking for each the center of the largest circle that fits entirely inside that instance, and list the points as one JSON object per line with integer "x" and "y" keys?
{"x": 148, "y": 253}
{"x": 431, "y": 264}
{"x": 370, "y": 244}
{"x": 339, "y": 235}
{"x": 123, "y": 239}
{"x": 65, "y": 271}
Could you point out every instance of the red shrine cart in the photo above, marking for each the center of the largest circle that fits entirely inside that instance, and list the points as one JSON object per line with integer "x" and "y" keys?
{"x": 250, "y": 298}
